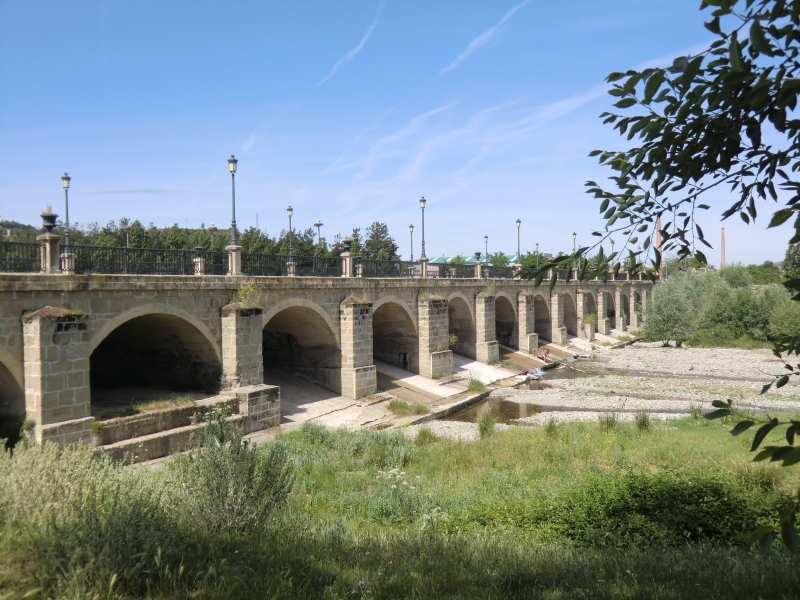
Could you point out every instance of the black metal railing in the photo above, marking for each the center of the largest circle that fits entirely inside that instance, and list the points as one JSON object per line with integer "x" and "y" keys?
{"x": 215, "y": 263}
{"x": 132, "y": 261}
{"x": 456, "y": 271}
{"x": 269, "y": 265}
{"x": 317, "y": 266}
{"x": 20, "y": 257}
{"x": 384, "y": 268}
{"x": 500, "y": 272}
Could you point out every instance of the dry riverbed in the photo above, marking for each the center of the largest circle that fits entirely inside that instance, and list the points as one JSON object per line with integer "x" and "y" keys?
{"x": 667, "y": 382}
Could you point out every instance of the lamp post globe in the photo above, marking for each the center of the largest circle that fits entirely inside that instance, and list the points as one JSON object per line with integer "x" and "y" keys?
{"x": 422, "y": 202}
{"x": 232, "y": 162}
{"x": 65, "y": 184}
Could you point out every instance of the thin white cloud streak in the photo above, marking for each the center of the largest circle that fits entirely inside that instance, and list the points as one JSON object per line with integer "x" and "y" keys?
{"x": 251, "y": 141}
{"x": 482, "y": 39}
{"x": 352, "y": 54}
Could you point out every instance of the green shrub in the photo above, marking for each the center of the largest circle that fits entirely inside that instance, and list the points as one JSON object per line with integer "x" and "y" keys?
{"x": 425, "y": 436}
{"x": 396, "y": 500}
{"x": 785, "y": 320}
{"x": 608, "y": 421}
{"x": 736, "y": 276}
{"x": 625, "y": 508}
{"x": 229, "y": 485}
{"x": 475, "y": 385}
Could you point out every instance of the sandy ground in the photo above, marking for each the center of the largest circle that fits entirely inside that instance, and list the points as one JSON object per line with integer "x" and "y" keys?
{"x": 666, "y": 382}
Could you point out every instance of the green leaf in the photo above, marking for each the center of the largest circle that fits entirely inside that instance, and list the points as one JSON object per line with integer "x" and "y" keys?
{"x": 789, "y": 536}
{"x": 765, "y": 389}
{"x": 765, "y": 453}
{"x": 782, "y": 381}
{"x": 780, "y": 217}
{"x": 652, "y": 85}
{"x": 758, "y": 40}
{"x": 735, "y": 55}
{"x": 741, "y": 427}
{"x": 625, "y": 103}
{"x": 717, "y": 414}
{"x": 721, "y": 404}
{"x": 766, "y": 541}
{"x": 762, "y": 433}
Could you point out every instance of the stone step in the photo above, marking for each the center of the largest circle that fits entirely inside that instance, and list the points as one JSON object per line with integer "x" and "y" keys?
{"x": 135, "y": 426}
{"x": 160, "y": 444}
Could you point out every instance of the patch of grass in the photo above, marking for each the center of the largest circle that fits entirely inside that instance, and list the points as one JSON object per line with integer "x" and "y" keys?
{"x": 475, "y": 385}
{"x": 624, "y": 338}
{"x": 404, "y": 409}
{"x": 171, "y": 402}
{"x": 522, "y": 514}
{"x": 551, "y": 427}
{"x": 608, "y": 421}
{"x": 722, "y": 338}
{"x": 607, "y": 344}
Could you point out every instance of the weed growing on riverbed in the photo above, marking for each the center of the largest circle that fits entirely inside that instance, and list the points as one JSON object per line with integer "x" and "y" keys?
{"x": 608, "y": 421}
{"x": 643, "y": 420}
{"x": 404, "y": 409}
{"x": 486, "y": 424}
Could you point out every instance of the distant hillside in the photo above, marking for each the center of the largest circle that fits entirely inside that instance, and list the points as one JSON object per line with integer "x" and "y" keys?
{"x": 18, "y": 232}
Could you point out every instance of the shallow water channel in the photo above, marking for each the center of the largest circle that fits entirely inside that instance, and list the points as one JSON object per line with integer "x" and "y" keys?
{"x": 506, "y": 410}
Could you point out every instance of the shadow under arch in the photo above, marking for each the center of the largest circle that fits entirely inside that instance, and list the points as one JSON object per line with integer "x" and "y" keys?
{"x": 149, "y": 356}
{"x": 461, "y": 325}
{"x": 394, "y": 336}
{"x": 505, "y": 322}
{"x": 625, "y": 310}
{"x": 570, "y": 315}
{"x": 12, "y": 400}
{"x": 299, "y": 337}
{"x": 590, "y": 307}
{"x": 542, "y": 325}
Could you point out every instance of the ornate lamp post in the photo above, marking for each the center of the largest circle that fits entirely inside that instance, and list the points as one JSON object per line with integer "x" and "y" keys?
{"x": 65, "y": 184}
{"x": 422, "y": 206}
{"x": 127, "y": 229}
{"x": 537, "y": 255}
{"x": 411, "y": 231}
{"x": 486, "y": 246}
{"x": 232, "y": 161}
{"x": 289, "y": 212}
{"x": 519, "y": 256}
{"x": 212, "y": 229}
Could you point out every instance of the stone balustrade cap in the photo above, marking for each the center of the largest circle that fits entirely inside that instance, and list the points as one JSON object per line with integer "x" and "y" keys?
{"x": 53, "y": 312}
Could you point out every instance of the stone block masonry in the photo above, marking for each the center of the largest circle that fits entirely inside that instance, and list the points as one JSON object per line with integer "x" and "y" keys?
{"x": 56, "y": 368}
{"x": 261, "y": 405}
{"x": 242, "y": 357}
{"x": 487, "y": 349}
{"x": 359, "y": 376}
{"x": 435, "y": 358}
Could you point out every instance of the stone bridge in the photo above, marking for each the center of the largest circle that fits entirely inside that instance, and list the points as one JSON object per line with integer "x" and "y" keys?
{"x": 63, "y": 339}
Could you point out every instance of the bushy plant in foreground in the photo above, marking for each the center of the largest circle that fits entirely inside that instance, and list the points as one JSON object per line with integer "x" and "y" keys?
{"x": 229, "y": 486}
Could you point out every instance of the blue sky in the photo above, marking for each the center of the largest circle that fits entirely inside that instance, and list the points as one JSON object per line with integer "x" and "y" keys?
{"x": 348, "y": 111}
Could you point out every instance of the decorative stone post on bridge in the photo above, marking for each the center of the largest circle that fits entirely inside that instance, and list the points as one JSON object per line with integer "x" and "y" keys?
{"x": 423, "y": 267}
{"x": 51, "y": 261}
{"x": 359, "y": 375}
{"x": 56, "y": 368}
{"x": 234, "y": 260}
{"x": 435, "y": 356}
{"x": 559, "y": 332}
{"x": 528, "y": 339}
{"x": 487, "y": 349}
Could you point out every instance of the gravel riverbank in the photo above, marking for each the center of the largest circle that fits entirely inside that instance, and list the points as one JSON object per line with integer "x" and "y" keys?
{"x": 667, "y": 382}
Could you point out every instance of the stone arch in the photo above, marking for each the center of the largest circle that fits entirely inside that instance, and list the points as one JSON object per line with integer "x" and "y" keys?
{"x": 590, "y": 307}
{"x": 395, "y": 300}
{"x": 297, "y": 335}
{"x": 394, "y": 335}
{"x": 12, "y": 398}
{"x": 611, "y": 311}
{"x": 469, "y": 302}
{"x": 303, "y": 303}
{"x": 542, "y": 323}
{"x": 570, "y": 315}
{"x": 505, "y": 319}
{"x": 153, "y": 309}
{"x": 461, "y": 320}
{"x": 152, "y": 352}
